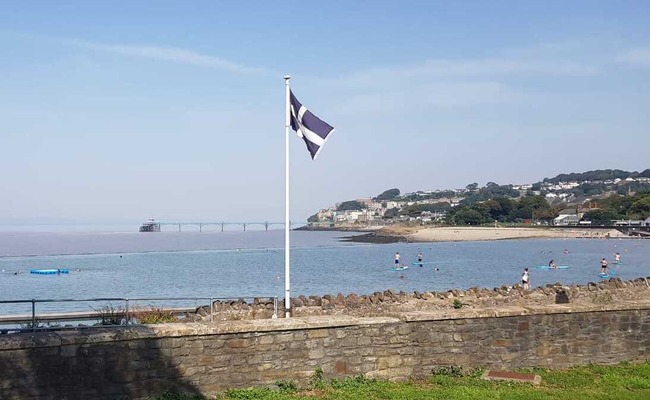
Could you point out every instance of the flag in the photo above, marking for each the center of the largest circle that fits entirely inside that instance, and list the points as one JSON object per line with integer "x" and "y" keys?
{"x": 309, "y": 127}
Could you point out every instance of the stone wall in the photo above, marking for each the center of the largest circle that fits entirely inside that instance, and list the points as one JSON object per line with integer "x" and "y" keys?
{"x": 194, "y": 358}
{"x": 391, "y": 303}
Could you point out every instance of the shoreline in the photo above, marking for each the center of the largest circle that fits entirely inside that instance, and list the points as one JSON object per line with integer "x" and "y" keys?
{"x": 397, "y": 234}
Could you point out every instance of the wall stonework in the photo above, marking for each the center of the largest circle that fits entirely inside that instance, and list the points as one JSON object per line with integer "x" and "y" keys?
{"x": 145, "y": 361}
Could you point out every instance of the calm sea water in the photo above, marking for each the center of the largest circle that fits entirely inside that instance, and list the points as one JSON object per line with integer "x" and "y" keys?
{"x": 251, "y": 264}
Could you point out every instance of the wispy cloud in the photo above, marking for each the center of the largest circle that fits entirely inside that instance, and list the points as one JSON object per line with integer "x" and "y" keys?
{"x": 162, "y": 53}
{"x": 447, "y": 83}
{"x": 438, "y": 69}
{"x": 638, "y": 57}
{"x": 171, "y": 54}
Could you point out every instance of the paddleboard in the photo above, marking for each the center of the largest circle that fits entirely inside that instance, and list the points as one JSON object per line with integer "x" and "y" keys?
{"x": 402, "y": 268}
{"x": 604, "y": 276}
{"x": 421, "y": 263}
{"x": 558, "y": 267}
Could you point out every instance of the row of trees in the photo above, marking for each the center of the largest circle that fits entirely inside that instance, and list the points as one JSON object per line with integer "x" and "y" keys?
{"x": 598, "y": 175}
{"x": 618, "y": 207}
{"x": 502, "y": 209}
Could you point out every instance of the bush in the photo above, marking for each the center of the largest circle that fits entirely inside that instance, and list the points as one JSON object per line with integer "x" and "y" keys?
{"x": 457, "y": 304}
{"x": 154, "y": 315}
{"x": 317, "y": 380}
{"x": 110, "y": 315}
{"x": 287, "y": 386}
{"x": 448, "y": 370}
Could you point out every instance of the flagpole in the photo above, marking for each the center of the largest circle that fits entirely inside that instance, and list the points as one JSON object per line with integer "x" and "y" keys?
{"x": 287, "y": 263}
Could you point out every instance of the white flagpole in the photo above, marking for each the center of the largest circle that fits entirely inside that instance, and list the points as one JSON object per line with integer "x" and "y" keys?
{"x": 287, "y": 263}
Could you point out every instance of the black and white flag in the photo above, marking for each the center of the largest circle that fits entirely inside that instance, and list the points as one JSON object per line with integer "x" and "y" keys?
{"x": 309, "y": 127}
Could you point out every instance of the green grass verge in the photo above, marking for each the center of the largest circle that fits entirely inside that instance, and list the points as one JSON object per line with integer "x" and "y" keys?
{"x": 621, "y": 382}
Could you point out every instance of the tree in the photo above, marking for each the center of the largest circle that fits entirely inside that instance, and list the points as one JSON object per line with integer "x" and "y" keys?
{"x": 391, "y": 213}
{"x": 350, "y": 205}
{"x": 472, "y": 187}
{"x": 313, "y": 218}
{"x": 641, "y": 208}
{"x": 468, "y": 216}
{"x": 389, "y": 194}
{"x": 600, "y": 217}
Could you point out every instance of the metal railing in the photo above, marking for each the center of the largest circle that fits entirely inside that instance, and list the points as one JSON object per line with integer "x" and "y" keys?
{"x": 97, "y": 314}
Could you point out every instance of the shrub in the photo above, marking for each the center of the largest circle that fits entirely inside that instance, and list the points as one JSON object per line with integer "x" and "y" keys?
{"x": 287, "y": 386}
{"x": 455, "y": 371}
{"x": 154, "y": 315}
{"x": 110, "y": 315}
{"x": 457, "y": 304}
{"x": 317, "y": 380}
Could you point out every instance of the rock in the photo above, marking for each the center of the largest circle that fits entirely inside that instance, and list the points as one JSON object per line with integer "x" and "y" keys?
{"x": 297, "y": 302}
{"x": 561, "y": 297}
{"x": 352, "y": 301}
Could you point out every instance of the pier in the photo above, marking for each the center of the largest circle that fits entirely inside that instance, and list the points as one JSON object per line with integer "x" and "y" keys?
{"x": 223, "y": 225}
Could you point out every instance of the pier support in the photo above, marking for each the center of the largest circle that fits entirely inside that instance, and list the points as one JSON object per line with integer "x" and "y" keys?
{"x": 200, "y": 227}
{"x": 266, "y": 226}
{"x": 222, "y": 226}
{"x": 244, "y": 227}
{"x": 179, "y": 227}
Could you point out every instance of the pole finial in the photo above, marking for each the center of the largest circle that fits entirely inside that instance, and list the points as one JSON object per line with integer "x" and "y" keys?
{"x": 287, "y": 77}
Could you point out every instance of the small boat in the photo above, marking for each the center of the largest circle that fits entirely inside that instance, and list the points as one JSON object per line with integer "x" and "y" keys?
{"x": 150, "y": 226}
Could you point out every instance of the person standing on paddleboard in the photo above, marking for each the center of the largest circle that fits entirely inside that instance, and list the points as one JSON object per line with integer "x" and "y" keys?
{"x": 603, "y": 266}
{"x": 397, "y": 259}
{"x": 420, "y": 257}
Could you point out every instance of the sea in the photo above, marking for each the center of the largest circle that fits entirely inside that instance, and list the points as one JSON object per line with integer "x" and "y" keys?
{"x": 236, "y": 264}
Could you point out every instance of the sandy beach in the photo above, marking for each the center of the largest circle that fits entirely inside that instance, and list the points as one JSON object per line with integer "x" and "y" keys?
{"x": 453, "y": 234}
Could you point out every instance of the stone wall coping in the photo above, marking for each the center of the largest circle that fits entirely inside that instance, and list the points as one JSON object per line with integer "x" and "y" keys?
{"x": 172, "y": 330}
{"x": 511, "y": 311}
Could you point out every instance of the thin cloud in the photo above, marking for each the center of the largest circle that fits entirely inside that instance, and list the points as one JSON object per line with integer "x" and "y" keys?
{"x": 465, "y": 69}
{"x": 172, "y": 54}
{"x": 636, "y": 57}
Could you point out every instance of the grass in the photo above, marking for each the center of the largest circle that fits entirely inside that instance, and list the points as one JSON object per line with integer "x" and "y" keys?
{"x": 623, "y": 381}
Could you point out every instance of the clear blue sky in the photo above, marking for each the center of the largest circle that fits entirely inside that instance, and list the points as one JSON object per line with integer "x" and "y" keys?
{"x": 117, "y": 111}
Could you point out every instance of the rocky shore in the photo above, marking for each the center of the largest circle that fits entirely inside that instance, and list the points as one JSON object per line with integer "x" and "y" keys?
{"x": 391, "y": 303}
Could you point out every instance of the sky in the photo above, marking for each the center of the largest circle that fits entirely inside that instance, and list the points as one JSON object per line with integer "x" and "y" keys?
{"x": 114, "y": 112}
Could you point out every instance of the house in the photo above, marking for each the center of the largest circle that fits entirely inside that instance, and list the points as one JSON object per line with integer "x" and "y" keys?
{"x": 568, "y": 216}
{"x": 564, "y": 220}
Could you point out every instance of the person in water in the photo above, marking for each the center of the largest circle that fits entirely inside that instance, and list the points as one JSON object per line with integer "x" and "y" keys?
{"x": 603, "y": 266}
{"x": 551, "y": 264}
{"x": 420, "y": 258}
{"x": 397, "y": 259}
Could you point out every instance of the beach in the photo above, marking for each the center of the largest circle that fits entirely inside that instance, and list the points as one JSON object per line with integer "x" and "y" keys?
{"x": 462, "y": 234}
